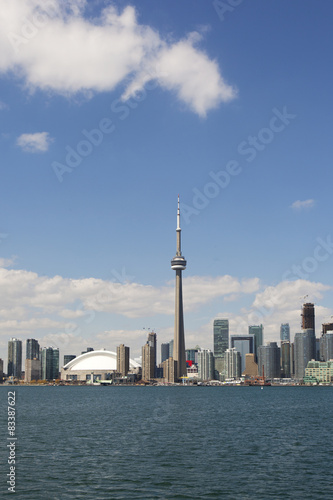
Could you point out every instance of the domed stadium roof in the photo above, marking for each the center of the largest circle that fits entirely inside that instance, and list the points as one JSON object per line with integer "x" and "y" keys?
{"x": 96, "y": 360}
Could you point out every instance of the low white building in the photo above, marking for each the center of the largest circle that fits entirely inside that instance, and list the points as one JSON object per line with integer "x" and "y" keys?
{"x": 93, "y": 365}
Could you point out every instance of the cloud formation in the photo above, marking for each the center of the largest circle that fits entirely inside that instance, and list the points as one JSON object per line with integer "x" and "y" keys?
{"x": 34, "y": 143}
{"x": 52, "y": 46}
{"x": 301, "y": 205}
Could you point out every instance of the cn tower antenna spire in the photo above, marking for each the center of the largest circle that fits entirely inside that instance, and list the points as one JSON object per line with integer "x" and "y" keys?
{"x": 179, "y": 250}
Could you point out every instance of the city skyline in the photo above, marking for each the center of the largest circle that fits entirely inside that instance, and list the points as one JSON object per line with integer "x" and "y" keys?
{"x": 84, "y": 252}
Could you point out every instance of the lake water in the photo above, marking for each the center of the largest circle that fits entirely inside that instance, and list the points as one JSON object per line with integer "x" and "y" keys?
{"x": 170, "y": 443}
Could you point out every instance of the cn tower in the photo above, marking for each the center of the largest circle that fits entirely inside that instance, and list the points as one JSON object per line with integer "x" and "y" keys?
{"x": 178, "y": 264}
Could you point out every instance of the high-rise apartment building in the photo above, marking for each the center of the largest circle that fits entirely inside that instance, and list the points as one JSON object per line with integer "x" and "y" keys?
{"x": 284, "y": 332}
{"x": 148, "y": 362}
{"x": 304, "y": 351}
{"x": 205, "y": 364}
{"x": 232, "y": 363}
{"x": 50, "y": 363}
{"x": 258, "y": 332}
{"x": 221, "y": 336}
{"x": 123, "y": 356}
{"x": 269, "y": 360}
{"x": 14, "y": 358}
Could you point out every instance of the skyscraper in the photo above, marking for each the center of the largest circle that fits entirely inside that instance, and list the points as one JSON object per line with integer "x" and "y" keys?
{"x": 164, "y": 351}
{"x": 286, "y": 365}
{"x": 326, "y": 346}
{"x": 50, "y": 363}
{"x": 152, "y": 341}
{"x": 68, "y": 358}
{"x": 269, "y": 360}
{"x": 243, "y": 344}
{"x": 148, "y": 362}
{"x": 232, "y": 363}
{"x": 221, "y": 336}
{"x": 14, "y": 358}
{"x": 122, "y": 359}
{"x": 304, "y": 351}
{"x": 284, "y": 332}
{"x": 32, "y": 349}
{"x": 258, "y": 332}
{"x": 178, "y": 264}
{"x": 308, "y": 317}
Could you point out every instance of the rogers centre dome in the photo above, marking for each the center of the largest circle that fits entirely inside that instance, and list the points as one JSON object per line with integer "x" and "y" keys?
{"x": 97, "y": 363}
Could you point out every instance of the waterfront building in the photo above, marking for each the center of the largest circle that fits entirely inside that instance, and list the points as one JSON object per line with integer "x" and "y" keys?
{"x": 269, "y": 360}
{"x": 68, "y": 358}
{"x": 14, "y": 358}
{"x": 32, "y": 370}
{"x": 50, "y": 363}
{"x": 286, "y": 359}
{"x": 304, "y": 351}
{"x": 1, "y": 371}
{"x": 148, "y": 362}
{"x": 205, "y": 364}
{"x": 123, "y": 356}
{"x": 178, "y": 264}
{"x": 32, "y": 349}
{"x": 321, "y": 371}
{"x": 232, "y": 363}
{"x": 243, "y": 344}
{"x": 258, "y": 332}
{"x": 308, "y": 317}
{"x": 192, "y": 372}
{"x": 284, "y": 332}
{"x": 251, "y": 367}
{"x": 95, "y": 365}
{"x": 165, "y": 351}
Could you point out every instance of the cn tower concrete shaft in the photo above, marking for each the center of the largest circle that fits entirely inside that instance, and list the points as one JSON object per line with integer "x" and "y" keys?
{"x": 178, "y": 264}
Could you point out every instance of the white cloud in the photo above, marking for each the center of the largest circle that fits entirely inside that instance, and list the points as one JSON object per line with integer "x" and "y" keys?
{"x": 64, "y": 313}
{"x": 34, "y": 143}
{"x": 58, "y": 49}
{"x": 301, "y": 205}
{"x": 6, "y": 262}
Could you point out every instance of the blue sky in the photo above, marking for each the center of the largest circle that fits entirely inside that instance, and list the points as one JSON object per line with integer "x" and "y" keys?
{"x": 108, "y": 110}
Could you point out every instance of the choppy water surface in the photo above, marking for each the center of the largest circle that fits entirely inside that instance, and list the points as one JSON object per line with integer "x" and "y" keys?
{"x": 171, "y": 443}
